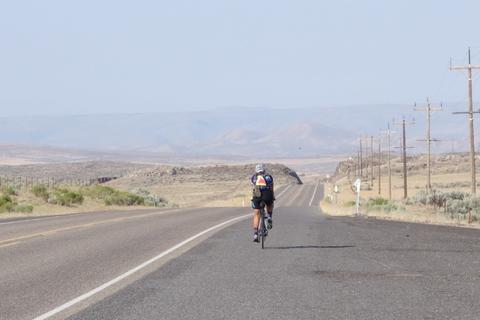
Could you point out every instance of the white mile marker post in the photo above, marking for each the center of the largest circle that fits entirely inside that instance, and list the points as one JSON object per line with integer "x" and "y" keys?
{"x": 357, "y": 184}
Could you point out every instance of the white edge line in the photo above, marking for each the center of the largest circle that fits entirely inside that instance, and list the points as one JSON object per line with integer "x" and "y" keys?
{"x": 134, "y": 270}
{"x": 313, "y": 195}
{"x": 139, "y": 267}
{"x": 284, "y": 190}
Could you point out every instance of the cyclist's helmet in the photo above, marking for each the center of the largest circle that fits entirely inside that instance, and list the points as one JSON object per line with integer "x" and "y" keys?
{"x": 259, "y": 168}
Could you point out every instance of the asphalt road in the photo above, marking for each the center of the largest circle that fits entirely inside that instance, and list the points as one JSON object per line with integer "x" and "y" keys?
{"x": 45, "y": 262}
{"x": 314, "y": 267}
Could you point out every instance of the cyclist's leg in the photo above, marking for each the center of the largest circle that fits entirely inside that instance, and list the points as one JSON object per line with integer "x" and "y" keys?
{"x": 268, "y": 198}
{"x": 256, "y": 217}
{"x": 270, "y": 208}
{"x": 270, "y": 213}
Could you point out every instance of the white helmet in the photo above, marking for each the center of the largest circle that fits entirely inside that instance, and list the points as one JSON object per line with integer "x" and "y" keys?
{"x": 259, "y": 168}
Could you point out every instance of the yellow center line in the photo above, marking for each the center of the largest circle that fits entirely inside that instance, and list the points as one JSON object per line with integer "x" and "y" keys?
{"x": 4, "y": 243}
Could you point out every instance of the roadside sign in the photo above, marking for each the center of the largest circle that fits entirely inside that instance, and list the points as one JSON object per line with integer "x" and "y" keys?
{"x": 357, "y": 184}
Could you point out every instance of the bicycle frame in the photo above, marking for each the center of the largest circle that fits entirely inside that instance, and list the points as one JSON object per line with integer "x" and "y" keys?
{"x": 262, "y": 228}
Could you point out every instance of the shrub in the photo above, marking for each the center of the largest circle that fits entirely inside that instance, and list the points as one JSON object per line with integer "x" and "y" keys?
{"x": 437, "y": 198}
{"x": 456, "y": 204}
{"x": 121, "y": 198}
{"x": 151, "y": 199}
{"x": 66, "y": 197}
{"x": 25, "y": 208}
{"x": 9, "y": 191}
{"x": 381, "y": 204}
{"x": 350, "y": 203}
{"x": 377, "y": 202}
{"x": 40, "y": 191}
{"x": 6, "y": 203}
{"x": 98, "y": 192}
{"x": 111, "y": 196}
{"x": 385, "y": 208}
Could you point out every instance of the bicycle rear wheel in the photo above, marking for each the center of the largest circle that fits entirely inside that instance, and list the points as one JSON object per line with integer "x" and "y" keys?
{"x": 263, "y": 232}
{"x": 263, "y": 241}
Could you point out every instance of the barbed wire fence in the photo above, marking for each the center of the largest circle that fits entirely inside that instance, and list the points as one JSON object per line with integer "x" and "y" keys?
{"x": 26, "y": 182}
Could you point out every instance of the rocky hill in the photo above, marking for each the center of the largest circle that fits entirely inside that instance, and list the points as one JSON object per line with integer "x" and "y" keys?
{"x": 149, "y": 175}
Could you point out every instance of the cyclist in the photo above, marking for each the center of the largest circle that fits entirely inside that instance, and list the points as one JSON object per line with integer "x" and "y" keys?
{"x": 262, "y": 192}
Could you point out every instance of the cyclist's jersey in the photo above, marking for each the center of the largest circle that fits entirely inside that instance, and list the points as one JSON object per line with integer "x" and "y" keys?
{"x": 262, "y": 190}
{"x": 262, "y": 181}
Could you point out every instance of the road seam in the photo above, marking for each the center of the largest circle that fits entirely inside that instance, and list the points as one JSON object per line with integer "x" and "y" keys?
{"x": 134, "y": 270}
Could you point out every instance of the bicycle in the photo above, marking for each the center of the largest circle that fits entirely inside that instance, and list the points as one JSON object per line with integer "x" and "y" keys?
{"x": 262, "y": 228}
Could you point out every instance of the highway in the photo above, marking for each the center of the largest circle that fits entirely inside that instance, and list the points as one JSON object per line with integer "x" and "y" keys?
{"x": 201, "y": 264}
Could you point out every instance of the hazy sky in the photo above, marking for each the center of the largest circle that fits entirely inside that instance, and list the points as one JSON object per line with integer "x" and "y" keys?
{"x": 64, "y": 57}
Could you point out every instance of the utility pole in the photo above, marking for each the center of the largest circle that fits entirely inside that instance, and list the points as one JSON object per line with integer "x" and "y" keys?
{"x": 404, "y": 154}
{"x": 470, "y": 113}
{"x": 366, "y": 152}
{"x": 403, "y": 124}
{"x": 428, "y": 111}
{"x": 372, "y": 164}
{"x": 356, "y": 164}
{"x": 452, "y": 143}
{"x": 379, "y": 166}
{"x": 389, "y": 135}
{"x": 360, "y": 159}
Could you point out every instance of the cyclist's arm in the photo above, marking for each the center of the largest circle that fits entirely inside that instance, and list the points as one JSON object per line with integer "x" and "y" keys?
{"x": 272, "y": 186}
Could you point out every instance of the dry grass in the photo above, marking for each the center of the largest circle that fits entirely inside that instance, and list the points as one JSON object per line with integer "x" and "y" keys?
{"x": 415, "y": 184}
{"x": 211, "y": 194}
{"x": 416, "y": 216}
{"x": 212, "y": 186}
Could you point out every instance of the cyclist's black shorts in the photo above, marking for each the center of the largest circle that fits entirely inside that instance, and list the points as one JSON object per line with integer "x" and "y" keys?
{"x": 267, "y": 198}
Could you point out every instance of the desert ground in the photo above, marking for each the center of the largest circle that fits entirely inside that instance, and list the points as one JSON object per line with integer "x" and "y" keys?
{"x": 206, "y": 185}
{"x": 450, "y": 174}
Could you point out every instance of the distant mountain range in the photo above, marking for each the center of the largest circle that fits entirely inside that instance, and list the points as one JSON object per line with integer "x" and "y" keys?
{"x": 233, "y": 131}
